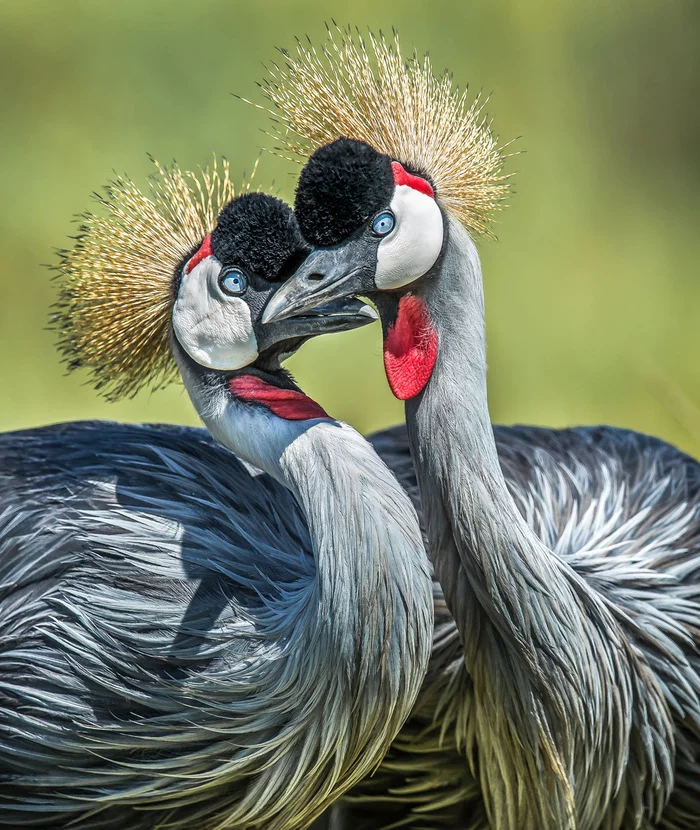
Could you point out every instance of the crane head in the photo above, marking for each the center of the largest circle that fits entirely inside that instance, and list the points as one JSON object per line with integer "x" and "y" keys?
{"x": 221, "y": 290}
{"x": 396, "y": 156}
{"x": 379, "y": 231}
{"x": 376, "y": 227}
{"x": 185, "y": 270}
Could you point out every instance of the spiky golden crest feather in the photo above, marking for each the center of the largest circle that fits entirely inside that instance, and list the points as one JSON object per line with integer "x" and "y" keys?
{"x": 116, "y": 284}
{"x": 364, "y": 89}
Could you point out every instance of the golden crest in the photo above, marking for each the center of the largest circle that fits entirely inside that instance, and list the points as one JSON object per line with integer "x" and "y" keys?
{"x": 364, "y": 89}
{"x": 113, "y": 313}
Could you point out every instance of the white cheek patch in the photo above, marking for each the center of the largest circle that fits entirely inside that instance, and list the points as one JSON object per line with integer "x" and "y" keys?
{"x": 215, "y": 330}
{"x": 414, "y": 245}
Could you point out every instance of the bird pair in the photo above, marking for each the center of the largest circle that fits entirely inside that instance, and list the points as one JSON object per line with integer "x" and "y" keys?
{"x": 189, "y": 643}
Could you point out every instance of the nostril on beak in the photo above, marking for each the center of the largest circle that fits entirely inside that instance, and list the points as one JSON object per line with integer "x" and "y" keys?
{"x": 316, "y": 277}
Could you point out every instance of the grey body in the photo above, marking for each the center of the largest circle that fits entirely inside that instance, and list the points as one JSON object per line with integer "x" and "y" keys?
{"x": 177, "y": 649}
{"x": 564, "y": 690}
{"x": 622, "y": 510}
{"x": 584, "y": 706}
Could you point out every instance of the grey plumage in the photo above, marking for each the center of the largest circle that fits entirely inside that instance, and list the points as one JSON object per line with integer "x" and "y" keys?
{"x": 570, "y": 560}
{"x": 623, "y": 510}
{"x": 170, "y": 654}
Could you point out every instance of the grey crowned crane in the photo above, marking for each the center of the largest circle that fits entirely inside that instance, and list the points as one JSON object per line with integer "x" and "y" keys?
{"x": 192, "y": 638}
{"x": 569, "y": 559}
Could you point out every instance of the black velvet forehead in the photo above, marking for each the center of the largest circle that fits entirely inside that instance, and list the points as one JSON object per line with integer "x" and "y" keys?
{"x": 342, "y": 185}
{"x": 259, "y": 233}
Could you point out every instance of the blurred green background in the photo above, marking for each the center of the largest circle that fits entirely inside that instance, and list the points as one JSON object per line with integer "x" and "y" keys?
{"x": 593, "y": 290}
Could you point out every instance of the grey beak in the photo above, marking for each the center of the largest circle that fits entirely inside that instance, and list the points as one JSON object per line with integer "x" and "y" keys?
{"x": 340, "y": 315}
{"x": 326, "y": 275}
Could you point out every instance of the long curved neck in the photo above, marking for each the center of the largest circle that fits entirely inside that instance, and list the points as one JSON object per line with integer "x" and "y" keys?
{"x": 360, "y": 638}
{"x": 369, "y": 554}
{"x": 458, "y": 468}
{"x": 524, "y": 617}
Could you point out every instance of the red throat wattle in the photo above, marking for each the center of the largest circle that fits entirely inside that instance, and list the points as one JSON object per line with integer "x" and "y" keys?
{"x": 410, "y": 349}
{"x": 285, "y": 403}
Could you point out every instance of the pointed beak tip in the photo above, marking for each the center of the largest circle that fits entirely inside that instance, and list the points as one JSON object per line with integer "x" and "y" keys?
{"x": 274, "y": 313}
{"x": 369, "y": 312}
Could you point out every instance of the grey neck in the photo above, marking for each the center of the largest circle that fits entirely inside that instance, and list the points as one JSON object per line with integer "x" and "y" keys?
{"x": 529, "y": 625}
{"x": 361, "y": 635}
{"x": 367, "y": 543}
{"x": 458, "y": 469}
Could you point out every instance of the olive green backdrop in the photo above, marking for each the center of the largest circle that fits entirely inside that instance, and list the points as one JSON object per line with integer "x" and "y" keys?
{"x": 593, "y": 290}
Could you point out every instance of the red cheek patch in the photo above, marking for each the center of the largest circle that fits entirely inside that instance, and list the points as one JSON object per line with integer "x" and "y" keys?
{"x": 402, "y": 176}
{"x": 202, "y": 253}
{"x": 285, "y": 403}
{"x": 410, "y": 349}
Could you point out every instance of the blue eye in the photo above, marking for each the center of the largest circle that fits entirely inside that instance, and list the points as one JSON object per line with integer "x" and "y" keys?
{"x": 233, "y": 282}
{"x": 383, "y": 223}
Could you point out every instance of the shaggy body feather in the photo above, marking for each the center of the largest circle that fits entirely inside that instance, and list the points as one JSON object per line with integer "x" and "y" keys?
{"x": 175, "y": 648}
{"x": 622, "y": 510}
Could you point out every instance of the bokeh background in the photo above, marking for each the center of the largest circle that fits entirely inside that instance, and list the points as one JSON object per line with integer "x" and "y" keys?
{"x": 593, "y": 289}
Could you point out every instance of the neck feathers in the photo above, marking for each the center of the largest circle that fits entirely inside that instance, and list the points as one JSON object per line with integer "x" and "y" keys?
{"x": 373, "y": 574}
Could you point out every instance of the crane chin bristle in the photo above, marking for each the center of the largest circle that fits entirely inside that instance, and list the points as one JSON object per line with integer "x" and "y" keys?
{"x": 365, "y": 90}
{"x": 113, "y": 313}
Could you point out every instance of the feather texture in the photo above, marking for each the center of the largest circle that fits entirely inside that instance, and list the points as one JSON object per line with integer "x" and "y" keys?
{"x": 115, "y": 298}
{"x": 365, "y": 89}
{"x": 178, "y": 649}
{"x": 622, "y": 510}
